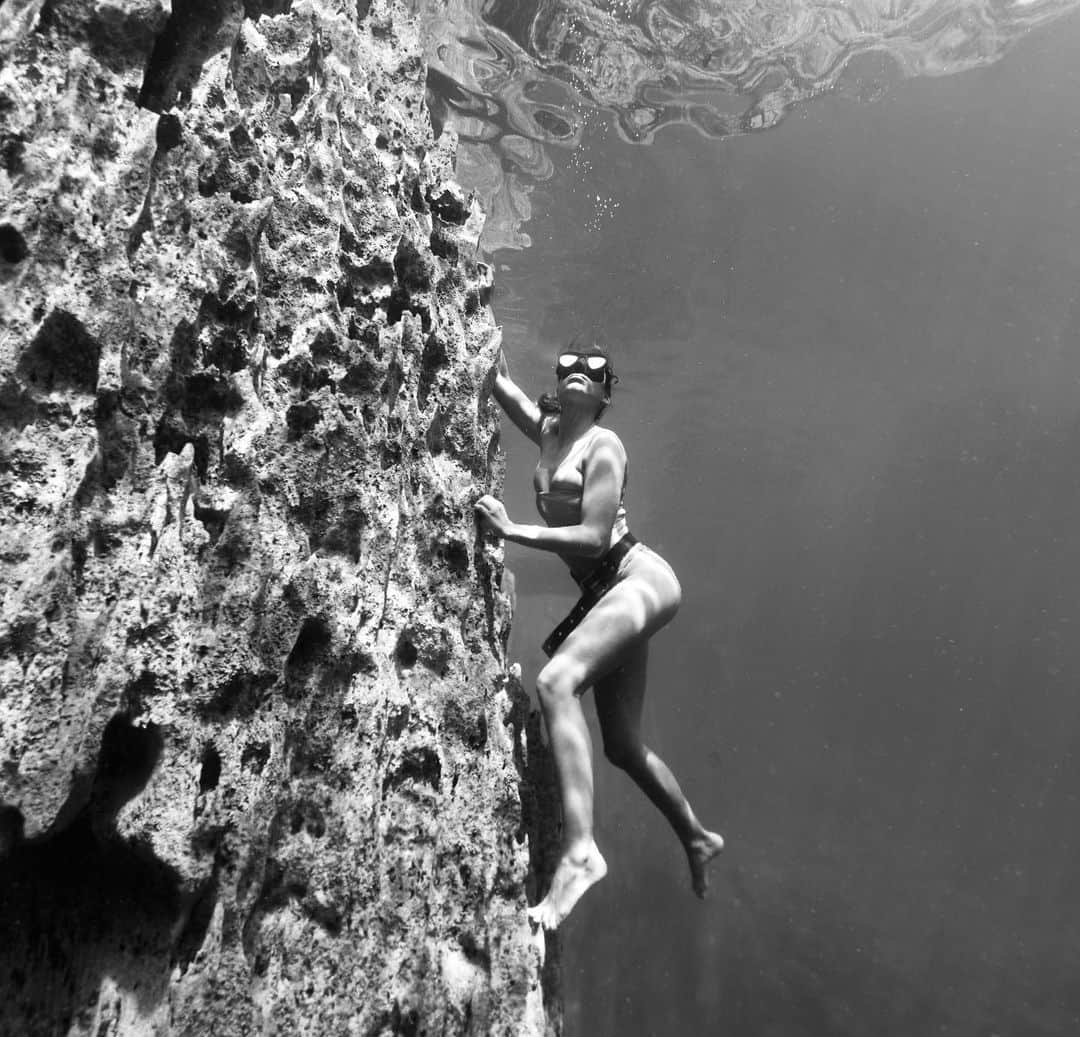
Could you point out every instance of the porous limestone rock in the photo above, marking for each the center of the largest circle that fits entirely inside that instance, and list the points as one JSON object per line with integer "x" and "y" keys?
{"x": 262, "y": 768}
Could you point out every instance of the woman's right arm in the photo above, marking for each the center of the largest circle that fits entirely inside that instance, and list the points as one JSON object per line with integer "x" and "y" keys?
{"x": 522, "y": 411}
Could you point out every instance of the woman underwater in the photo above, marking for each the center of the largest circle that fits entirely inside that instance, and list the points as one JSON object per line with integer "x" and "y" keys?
{"x": 629, "y": 593}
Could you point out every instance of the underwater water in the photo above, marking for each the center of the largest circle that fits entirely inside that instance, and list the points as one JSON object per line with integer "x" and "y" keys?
{"x": 849, "y": 351}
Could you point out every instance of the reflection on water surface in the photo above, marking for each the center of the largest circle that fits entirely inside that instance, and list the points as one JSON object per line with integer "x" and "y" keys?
{"x": 515, "y": 78}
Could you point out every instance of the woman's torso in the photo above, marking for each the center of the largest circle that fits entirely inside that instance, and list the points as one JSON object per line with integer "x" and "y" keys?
{"x": 559, "y": 482}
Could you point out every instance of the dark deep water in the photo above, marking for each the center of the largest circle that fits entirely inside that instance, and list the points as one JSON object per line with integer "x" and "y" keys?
{"x": 850, "y": 358}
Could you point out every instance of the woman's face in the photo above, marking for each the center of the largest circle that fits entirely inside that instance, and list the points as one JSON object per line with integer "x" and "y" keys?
{"x": 579, "y": 387}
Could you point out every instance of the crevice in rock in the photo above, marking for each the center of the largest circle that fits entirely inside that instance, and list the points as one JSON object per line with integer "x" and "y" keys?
{"x": 117, "y": 419}
{"x": 191, "y": 35}
{"x": 486, "y": 579}
{"x": 435, "y": 435}
{"x": 432, "y": 360}
{"x": 390, "y": 388}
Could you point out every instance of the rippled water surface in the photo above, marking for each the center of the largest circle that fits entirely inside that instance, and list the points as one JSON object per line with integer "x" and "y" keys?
{"x": 519, "y": 78}
{"x": 849, "y": 348}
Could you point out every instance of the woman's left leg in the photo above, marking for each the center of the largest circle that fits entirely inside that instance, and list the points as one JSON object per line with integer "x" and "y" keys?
{"x": 619, "y": 699}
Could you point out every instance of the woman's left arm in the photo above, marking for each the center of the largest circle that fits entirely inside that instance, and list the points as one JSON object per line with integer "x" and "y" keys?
{"x": 603, "y": 470}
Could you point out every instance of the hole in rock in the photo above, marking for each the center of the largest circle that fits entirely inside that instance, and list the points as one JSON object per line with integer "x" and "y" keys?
{"x": 254, "y": 757}
{"x": 457, "y": 556}
{"x": 170, "y": 437}
{"x": 13, "y": 247}
{"x": 311, "y": 642}
{"x": 419, "y": 765}
{"x": 213, "y": 520}
{"x": 405, "y": 652}
{"x": 127, "y": 758}
{"x": 301, "y": 418}
{"x": 63, "y": 354}
{"x": 210, "y": 394}
{"x": 210, "y": 774}
{"x": 169, "y": 132}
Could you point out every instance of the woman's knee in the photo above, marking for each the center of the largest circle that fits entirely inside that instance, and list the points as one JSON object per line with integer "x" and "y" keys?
{"x": 559, "y": 679}
{"x": 624, "y": 753}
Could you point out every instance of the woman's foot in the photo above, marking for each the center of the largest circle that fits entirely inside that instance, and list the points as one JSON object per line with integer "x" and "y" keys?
{"x": 577, "y": 871}
{"x": 699, "y": 852}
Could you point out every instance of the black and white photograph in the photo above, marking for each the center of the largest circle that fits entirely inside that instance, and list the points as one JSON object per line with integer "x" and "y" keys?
{"x": 539, "y": 518}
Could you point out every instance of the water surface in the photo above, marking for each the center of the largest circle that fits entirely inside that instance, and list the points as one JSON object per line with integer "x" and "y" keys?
{"x": 850, "y": 359}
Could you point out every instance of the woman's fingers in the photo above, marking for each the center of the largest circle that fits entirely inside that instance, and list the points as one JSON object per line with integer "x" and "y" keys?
{"x": 484, "y": 510}
{"x": 496, "y": 340}
{"x": 490, "y": 511}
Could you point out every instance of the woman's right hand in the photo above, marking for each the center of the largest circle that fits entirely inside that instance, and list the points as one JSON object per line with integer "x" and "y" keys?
{"x": 492, "y": 514}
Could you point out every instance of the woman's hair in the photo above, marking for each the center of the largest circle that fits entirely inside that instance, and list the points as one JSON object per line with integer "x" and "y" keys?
{"x": 549, "y": 401}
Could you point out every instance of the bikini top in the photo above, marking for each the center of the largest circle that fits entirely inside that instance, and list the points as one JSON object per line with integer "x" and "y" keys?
{"x": 558, "y": 491}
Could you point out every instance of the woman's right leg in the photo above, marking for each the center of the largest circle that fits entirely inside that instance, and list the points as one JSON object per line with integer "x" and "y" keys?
{"x": 581, "y": 864}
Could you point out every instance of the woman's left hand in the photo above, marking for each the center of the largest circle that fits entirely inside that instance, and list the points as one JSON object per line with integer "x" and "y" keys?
{"x": 492, "y": 514}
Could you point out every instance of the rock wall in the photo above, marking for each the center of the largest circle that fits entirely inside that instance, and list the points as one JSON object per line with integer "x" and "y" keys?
{"x": 261, "y": 767}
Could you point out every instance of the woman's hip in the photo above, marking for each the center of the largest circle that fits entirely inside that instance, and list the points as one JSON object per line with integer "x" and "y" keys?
{"x": 644, "y": 564}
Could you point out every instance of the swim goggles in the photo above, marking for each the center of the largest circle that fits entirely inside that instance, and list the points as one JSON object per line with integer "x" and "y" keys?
{"x": 592, "y": 366}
